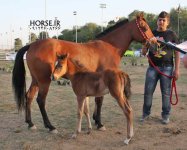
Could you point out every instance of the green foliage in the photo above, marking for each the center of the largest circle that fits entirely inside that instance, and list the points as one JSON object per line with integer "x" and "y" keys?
{"x": 90, "y": 30}
{"x": 67, "y": 35}
{"x": 84, "y": 33}
{"x": 134, "y": 61}
{"x": 133, "y": 14}
{"x": 33, "y": 37}
{"x": 17, "y": 44}
{"x": 182, "y": 14}
{"x": 43, "y": 35}
{"x": 135, "y": 45}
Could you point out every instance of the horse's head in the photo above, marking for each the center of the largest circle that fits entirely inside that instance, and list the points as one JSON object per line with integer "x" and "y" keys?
{"x": 60, "y": 67}
{"x": 143, "y": 33}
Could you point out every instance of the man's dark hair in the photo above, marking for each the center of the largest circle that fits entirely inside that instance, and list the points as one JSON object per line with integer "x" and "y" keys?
{"x": 164, "y": 14}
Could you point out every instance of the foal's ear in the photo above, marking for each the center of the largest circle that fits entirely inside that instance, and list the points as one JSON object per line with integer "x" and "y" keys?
{"x": 65, "y": 56}
{"x": 61, "y": 57}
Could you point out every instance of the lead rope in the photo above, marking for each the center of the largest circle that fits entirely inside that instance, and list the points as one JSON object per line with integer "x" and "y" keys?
{"x": 173, "y": 86}
{"x": 172, "y": 77}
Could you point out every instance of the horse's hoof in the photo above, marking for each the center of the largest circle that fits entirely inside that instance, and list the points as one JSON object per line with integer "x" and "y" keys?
{"x": 102, "y": 128}
{"x": 55, "y": 131}
{"x": 89, "y": 130}
{"x": 32, "y": 128}
{"x": 74, "y": 136}
{"x": 126, "y": 141}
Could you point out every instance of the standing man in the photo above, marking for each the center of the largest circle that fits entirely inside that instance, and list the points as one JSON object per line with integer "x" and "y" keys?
{"x": 167, "y": 62}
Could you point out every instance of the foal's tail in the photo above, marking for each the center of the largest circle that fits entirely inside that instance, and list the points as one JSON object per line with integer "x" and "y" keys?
{"x": 127, "y": 85}
{"x": 18, "y": 78}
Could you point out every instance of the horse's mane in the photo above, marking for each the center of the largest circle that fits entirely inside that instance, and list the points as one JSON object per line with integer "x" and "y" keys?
{"x": 112, "y": 28}
{"x": 79, "y": 66}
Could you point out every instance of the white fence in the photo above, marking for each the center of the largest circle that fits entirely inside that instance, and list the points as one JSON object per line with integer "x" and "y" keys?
{"x": 7, "y": 54}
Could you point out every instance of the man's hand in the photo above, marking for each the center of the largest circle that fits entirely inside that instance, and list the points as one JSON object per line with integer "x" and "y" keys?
{"x": 176, "y": 74}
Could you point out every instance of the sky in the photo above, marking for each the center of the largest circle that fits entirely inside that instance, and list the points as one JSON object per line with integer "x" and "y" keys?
{"x": 16, "y": 14}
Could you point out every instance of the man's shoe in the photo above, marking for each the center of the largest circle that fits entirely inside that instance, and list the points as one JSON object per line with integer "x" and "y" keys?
{"x": 143, "y": 118}
{"x": 165, "y": 120}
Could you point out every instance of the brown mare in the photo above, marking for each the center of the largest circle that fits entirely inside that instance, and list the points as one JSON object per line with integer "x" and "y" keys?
{"x": 86, "y": 83}
{"x": 104, "y": 52}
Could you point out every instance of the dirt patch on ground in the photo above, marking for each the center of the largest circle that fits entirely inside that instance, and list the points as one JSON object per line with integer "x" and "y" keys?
{"x": 61, "y": 107}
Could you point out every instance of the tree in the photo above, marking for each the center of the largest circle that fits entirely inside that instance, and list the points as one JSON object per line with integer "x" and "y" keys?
{"x": 54, "y": 37}
{"x": 32, "y": 37}
{"x": 88, "y": 32}
{"x": 67, "y": 35}
{"x": 151, "y": 20}
{"x": 17, "y": 44}
{"x": 43, "y": 35}
{"x": 111, "y": 23}
{"x": 133, "y": 15}
{"x": 182, "y": 14}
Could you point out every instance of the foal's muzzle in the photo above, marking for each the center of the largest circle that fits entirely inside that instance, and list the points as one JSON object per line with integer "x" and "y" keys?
{"x": 52, "y": 78}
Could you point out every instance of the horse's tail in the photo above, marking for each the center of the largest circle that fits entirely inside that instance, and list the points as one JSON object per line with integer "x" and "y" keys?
{"x": 18, "y": 78}
{"x": 127, "y": 85}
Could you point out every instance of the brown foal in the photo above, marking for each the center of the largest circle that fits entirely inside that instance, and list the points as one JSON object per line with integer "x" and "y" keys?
{"x": 86, "y": 83}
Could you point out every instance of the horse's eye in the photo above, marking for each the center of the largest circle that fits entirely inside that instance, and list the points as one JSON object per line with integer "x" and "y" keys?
{"x": 144, "y": 29}
{"x": 59, "y": 66}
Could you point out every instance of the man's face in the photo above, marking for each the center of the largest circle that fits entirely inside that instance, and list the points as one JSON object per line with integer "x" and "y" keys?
{"x": 162, "y": 24}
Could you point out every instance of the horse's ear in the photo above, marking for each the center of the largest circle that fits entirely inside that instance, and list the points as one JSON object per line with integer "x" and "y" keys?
{"x": 58, "y": 56}
{"x": 140, "y": 16}
{"x": 67, "y": 55}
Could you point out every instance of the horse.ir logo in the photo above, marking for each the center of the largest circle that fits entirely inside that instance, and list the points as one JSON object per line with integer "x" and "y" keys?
{"x": 44, "y": 24}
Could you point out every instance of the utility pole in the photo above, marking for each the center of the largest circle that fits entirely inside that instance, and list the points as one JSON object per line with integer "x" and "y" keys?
{"x": 75, "y": 14}
{"x": 102, "y": 6}
{"x": 178, "y": 22}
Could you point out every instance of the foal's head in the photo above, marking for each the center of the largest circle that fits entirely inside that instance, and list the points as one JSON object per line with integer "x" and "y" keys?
{"x": 60, "y": 67}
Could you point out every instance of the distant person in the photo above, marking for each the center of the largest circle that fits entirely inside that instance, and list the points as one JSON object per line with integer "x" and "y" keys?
{"x": 184, "y": 60}
{"x": 162, "y": 58}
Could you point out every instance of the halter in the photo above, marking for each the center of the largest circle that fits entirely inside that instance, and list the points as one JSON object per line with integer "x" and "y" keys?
{"x": 142, "y": 33}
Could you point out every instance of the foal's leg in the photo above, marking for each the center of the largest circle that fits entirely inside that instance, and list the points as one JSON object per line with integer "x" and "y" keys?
{"x": 117, "y": 93}
{"x": 43, "y": 90}
{"x": 29, "y": 98}
{"x": 129, "y": 115}
{"x": 127, "y": 110}
{"x": 97, "y": 113}
{"x": 87, "y": 113}
{"x": 80, "y": 101}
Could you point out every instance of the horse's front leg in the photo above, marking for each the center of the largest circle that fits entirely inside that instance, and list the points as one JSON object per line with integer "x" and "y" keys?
{"x": 87, "y": 114}
{"x": 43, "y": 90}
{"x": 97, "y": 113}
{"x": 80, "y": 101}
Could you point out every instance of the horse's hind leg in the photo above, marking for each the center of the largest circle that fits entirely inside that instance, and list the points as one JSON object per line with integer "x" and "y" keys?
{"x": 97, "y": 113}
{"x": 43, "y": 90}
{"x": 29, "y": 98}
{"x": 87, "y": 114}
